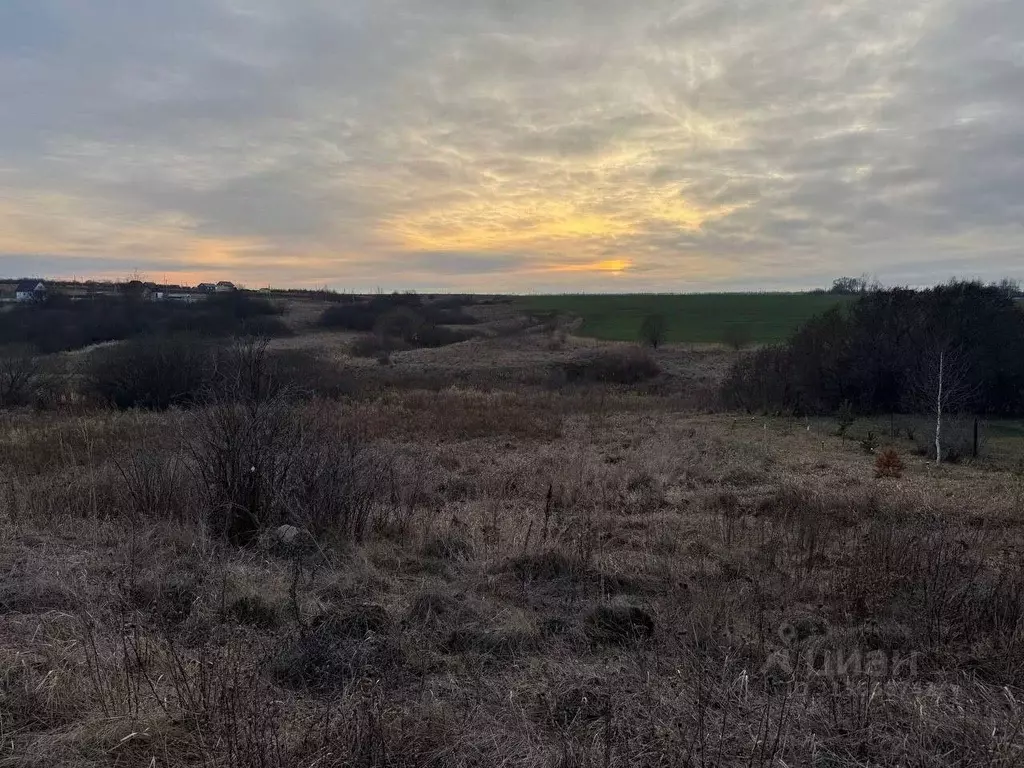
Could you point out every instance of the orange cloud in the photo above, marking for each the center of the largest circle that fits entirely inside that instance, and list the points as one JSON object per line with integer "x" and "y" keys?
{"x": 221, "y": 253}
{"x": 612, "y": 266}
{"x": 567, "y": 215}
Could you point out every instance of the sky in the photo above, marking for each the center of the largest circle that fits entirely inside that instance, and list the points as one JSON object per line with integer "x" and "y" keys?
{"x": 513, "y": 145}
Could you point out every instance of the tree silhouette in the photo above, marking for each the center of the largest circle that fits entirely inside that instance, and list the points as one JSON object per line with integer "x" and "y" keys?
{"x": 653, "y": 330}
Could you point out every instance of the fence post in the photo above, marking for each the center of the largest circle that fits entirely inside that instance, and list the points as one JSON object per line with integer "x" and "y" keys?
{"x": 975, "y": 451}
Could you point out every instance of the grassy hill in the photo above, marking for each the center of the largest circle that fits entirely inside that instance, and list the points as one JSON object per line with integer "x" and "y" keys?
{"x": 762, "y": 318}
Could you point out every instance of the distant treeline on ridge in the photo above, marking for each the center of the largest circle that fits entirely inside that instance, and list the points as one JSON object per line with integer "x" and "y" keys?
{"x": 889, "y": 350}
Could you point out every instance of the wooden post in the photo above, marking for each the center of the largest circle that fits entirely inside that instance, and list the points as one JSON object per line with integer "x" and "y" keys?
{"x": 975, "y": 451}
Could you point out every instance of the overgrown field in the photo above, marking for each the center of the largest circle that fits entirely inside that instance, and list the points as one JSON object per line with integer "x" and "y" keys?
{"x": 567, "y": 559}
{"x": 727, "y": 318}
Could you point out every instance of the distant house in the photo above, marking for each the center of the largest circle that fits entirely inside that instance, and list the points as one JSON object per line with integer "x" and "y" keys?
{"x": 30, "y": 290}
{"x": 136, "y": 289}
{"x": 224, "y": 287}
{"x": 207, "y": 288}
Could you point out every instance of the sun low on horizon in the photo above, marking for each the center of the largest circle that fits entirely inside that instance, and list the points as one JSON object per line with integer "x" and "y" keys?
{"x": 566, "y": 145}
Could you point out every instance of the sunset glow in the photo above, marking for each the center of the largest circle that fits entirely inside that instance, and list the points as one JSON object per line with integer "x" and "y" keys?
{"x": 590, "y": 146}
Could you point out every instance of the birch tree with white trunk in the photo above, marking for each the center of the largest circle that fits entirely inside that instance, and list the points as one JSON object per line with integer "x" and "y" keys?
{"x": 944, "y": 385}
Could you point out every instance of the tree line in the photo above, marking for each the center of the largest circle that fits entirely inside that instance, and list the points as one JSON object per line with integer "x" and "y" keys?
{"x": 58, "y": 323}
{"x": 955, "y": 347}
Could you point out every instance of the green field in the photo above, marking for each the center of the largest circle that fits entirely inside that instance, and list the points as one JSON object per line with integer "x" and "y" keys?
{"x": 762, "y": 318}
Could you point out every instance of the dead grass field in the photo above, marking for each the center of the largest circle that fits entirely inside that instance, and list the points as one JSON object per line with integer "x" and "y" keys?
{"x": 552, "y": 575}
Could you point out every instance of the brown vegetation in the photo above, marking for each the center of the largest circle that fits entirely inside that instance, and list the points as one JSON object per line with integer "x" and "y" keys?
{"x": 498, "y": 573}
{"x": 889, "y": 464}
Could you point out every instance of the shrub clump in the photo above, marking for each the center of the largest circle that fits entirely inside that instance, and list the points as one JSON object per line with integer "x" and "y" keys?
{"x": 270, "y": 462}
{"x": 368, "y": 314}
{"x": 19, "y": 376}
{"x": 889, "y": 464}
{"x": 161, "y": 372}
{"x": 263, "y": 460}
{"x": 626, "y": 366}
{"x": 307, "y": 375}
{"x": 150, "y": 373}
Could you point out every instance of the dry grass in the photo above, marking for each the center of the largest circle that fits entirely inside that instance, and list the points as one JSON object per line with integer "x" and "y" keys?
{"x": 591, "y": 577}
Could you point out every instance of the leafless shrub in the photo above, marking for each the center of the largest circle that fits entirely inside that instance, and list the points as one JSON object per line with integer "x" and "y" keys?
{"x": 271, "y": 462}
{"x": 627, "y": 366}
{"x": 157, "y": 484}
{"x": 244, "y": 373}
{"x": 19, "y": 373}
{"x": 243, "y": 455}
{"x": 308, "y": 375}
{"x": 231, "y": 714}
{"x": 338, "y": 482}
{"x": 149, "y": 373}
{"x": 262, "y": 459}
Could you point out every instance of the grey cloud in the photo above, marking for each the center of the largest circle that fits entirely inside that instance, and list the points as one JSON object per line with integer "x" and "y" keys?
{"x": 458, "y": 263}
{"x": 810, "y": 133}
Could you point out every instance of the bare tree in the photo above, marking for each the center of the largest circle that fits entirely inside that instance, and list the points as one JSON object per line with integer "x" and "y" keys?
{"x": 944, "y": 384}
{"x": 653, "y": 330}
{"x": 1010, "y": 287}
{"x": 19, "y": 368}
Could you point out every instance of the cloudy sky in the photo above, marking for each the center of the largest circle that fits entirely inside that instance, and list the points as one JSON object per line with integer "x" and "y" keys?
{"x": 513, "y": 145}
